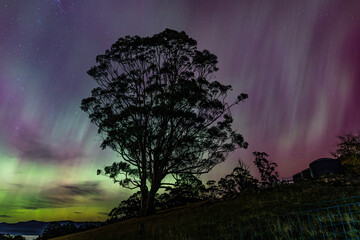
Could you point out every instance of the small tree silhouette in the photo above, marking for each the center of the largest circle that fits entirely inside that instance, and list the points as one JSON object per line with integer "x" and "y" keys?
{"x": 52, "y": 230}
{"x": 212, "y": 190}
{"x": 18, "y": 237}
{"x": 187, "y": 189}
{"x": 9, "y": 237}
{"x": 269, "y": 176}
{"x": 348, "y": 152}
{"x": 128, "y": 208}
{"x": 238, "y": 181}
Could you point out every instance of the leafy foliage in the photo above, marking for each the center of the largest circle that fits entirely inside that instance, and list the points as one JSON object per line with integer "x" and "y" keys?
{"x": 157, "y": 107}
{"x": 266, "y": 169}
{"x": 128, "y": 208}
{"x": 348, "y": 152}
{"x": 187, "y": 189}
{"x": 9, "y": 237}
{"x": 212, "y": 190}
{"x": 55, "y": 229}
{"x": 239, "y": 180}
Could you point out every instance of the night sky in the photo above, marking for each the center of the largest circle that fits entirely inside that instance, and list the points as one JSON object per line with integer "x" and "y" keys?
{"x": 297, "y": 60}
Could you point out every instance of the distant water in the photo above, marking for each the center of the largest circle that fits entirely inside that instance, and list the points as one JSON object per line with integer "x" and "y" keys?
{"x": 30, "y": 237}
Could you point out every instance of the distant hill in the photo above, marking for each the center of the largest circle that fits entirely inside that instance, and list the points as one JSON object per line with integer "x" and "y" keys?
{"x": 29, "y": 228}
{"x": 23, "y": 228}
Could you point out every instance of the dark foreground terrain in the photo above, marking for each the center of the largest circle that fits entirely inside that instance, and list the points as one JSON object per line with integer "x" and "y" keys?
{"x": 227, "y": 218}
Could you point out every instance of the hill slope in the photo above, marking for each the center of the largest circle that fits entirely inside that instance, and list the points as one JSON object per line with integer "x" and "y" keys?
{"x": 213, "y": 220}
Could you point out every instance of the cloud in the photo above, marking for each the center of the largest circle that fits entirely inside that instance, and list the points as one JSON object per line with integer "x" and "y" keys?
{"x": 5, "y": 216}
{"x": 64, "y": 195}
{"x": 30, "y": 145}
{"x": 47, "y": 201}
{"x": 97, "y": 199}
{"x": 83, "y": 189}
{"x": 103, "y": 213}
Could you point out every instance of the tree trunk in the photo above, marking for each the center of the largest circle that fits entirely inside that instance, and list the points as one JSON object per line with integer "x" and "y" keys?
{"x": 143, "y": 202}
{"x": 147, "y": 201}
{"x": 150, "y": 201}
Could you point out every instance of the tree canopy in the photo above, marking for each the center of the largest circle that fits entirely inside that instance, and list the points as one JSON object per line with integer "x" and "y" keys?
{"x": 266, "y": 168}
{"x": 9, "y": 237}
{"x": 239, "y": 180}
{"x": 348, "y": 151}
{"x": 187, "y": 189}
{"x": 158, "y": 106}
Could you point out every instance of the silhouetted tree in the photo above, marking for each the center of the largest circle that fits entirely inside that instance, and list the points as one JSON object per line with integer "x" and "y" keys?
{"x": 157, "y": 107}
{"x": 238, "y": 181}
{"x": 69, "y": 228}
{"x": 19, "y": 237}
{"x": 52, "y": 230}
{"x": 212, "y": 190}
{"x": 128, "y": 208}
{"x": 187, "y": 189}
{"x": 269, "y": 176}
{"x": 55, "y": 229}
{"x": 90, "y": 225}
{"x": 9, "y": 237}
{"x": 5, "y": 237}
{"x": 348, "y": 152}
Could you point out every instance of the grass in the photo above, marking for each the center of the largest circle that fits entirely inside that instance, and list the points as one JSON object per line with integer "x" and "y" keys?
{"x": 272, "y": 210}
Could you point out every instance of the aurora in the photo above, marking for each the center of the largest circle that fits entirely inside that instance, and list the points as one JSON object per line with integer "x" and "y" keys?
{"x": 298, "y": 61}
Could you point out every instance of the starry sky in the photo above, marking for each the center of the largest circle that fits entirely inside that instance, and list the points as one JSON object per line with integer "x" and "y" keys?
{"x": 297, "y": 60}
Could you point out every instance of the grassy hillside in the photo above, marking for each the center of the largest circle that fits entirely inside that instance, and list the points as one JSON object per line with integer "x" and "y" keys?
{"x": 219, "y": 220}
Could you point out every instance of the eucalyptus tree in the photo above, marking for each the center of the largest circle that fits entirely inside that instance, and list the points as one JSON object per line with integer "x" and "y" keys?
{"x": 160, "y": 108}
